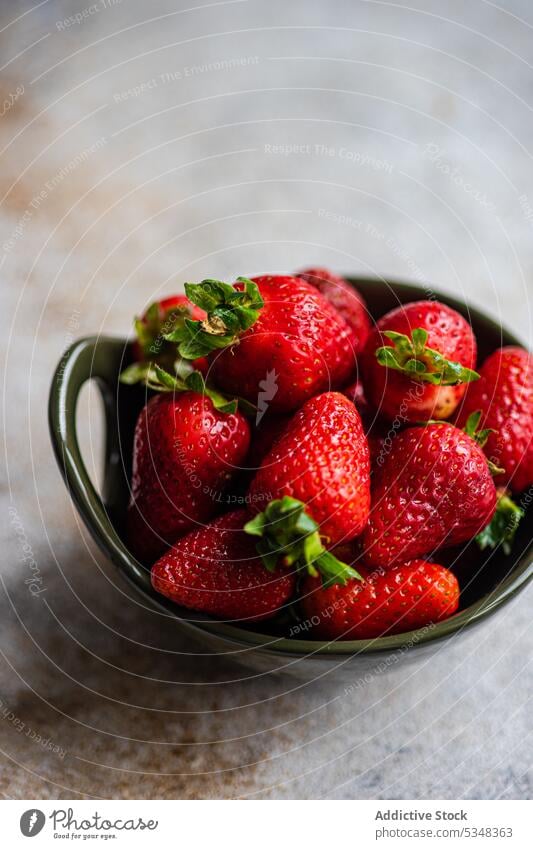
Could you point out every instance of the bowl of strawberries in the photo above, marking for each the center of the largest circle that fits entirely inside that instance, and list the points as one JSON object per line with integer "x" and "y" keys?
{"x": 308, "y": 470}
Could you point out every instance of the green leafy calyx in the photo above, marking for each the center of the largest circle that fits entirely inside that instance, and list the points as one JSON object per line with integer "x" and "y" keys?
{"x": 412, "y": 357}
{"x": 502, "y": 528}
{"x": 160, "y": 380}
{"x": 229, "y": 313}
{"x": 481, "y": 436}
{"x": 288, "y": 534}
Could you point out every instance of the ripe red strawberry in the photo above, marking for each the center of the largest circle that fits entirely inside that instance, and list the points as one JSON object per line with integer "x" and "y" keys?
{"x": 404, "y": 598}
{"x": 216, "y": 569}
{"x": 275, "y": 341}
{"x": 418, "y": 360}
{"x": 185, "y": 453}
{"x": 434, "y": 489}
{"x": 345, "y": 298}
{"x": 321, "y": 459}
{"x": 504, "y": 394}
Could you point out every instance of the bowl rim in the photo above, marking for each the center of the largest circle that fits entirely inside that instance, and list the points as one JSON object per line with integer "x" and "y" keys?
{"x": 62, "y": 403}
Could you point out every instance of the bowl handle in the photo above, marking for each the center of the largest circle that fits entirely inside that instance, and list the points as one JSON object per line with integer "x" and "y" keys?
{"x": 100, "y": 359}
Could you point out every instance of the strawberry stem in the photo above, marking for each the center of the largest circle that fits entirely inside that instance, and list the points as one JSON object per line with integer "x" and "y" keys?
{"x": 287, "y": 533}
{"x": 501, "y": 530}
{"x": 229, "y": 311}
{"x": 412, "y": 357}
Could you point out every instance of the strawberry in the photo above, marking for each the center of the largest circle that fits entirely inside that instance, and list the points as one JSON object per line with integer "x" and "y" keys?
{"x": 433, "y": 489}
{"x": 150, "y": 345}
{"x": 187, "y": 447}
{"x": 322, "y": 459}
{"x": 275, "y": 341}
{"x": 346, "y": 300}
{"x": 404, "y": 598}
{"x": 216, "y": 569}
{"x": 418, "y": 360}
{"x": 504, "y": 395}
{"x": 242, "y": 569}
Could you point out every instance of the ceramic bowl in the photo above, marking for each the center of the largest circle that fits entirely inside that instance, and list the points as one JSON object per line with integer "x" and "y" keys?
{"x": 490, "y": 580}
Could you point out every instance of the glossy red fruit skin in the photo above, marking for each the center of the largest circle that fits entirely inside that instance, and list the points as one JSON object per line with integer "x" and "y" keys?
{"x": 299, "y": 336}
{"x": 504, "y": 394}
{"x": 165, "y": 305}
{"x": 432, "y": 490}
{"x": 406, "y": 597}
{"x": 322, "y": 459}
{"x": 345, "y": 298}
{"x": 217, "y": 570}
{"x": 392, "y": 392}
{"x": 184, "y": 455}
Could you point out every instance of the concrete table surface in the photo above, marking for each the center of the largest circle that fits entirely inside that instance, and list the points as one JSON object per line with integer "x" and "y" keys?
{"x": 146, "y": 144}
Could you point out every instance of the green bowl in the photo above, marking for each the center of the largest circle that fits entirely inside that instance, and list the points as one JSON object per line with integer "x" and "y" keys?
{"x": 490, "y": 581}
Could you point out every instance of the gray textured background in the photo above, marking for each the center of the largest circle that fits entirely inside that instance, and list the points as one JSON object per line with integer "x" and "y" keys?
{"x": 150, "y": 145}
